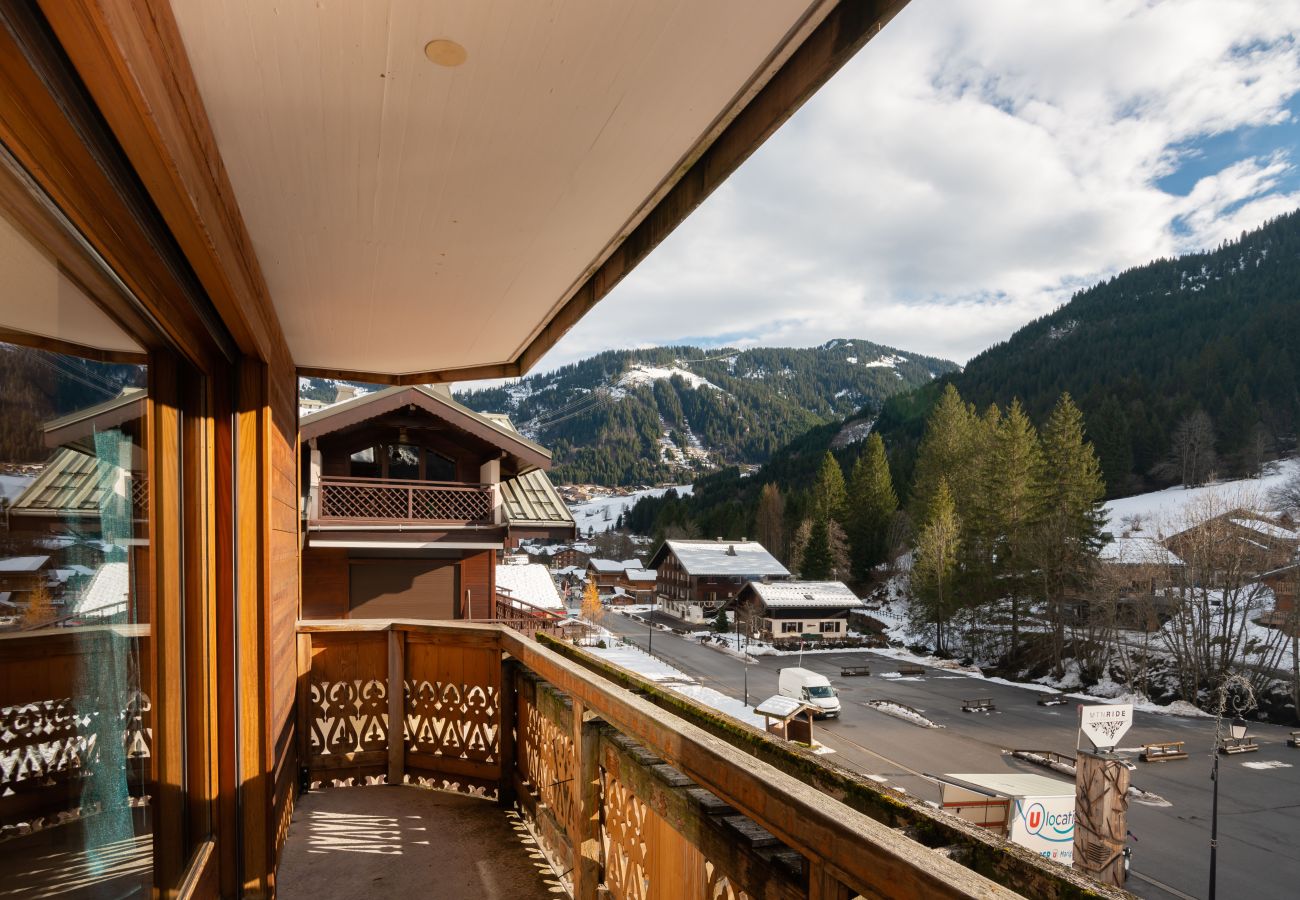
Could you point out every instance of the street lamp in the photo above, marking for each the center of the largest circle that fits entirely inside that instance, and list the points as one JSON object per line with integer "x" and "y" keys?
{"x": 1243, "y": 699}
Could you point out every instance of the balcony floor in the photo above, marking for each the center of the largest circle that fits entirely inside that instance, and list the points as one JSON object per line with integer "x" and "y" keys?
{"x": 346, "y": 842}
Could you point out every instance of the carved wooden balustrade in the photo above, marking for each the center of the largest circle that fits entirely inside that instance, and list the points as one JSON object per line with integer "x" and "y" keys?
{"x": 623, "y": 796}
{"x": 65, "y": 715}
{"x": 386, "y": 500}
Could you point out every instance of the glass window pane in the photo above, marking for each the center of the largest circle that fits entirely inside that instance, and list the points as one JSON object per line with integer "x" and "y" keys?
{"x": 403, "y": 461}
{"x": 76, "y": 659}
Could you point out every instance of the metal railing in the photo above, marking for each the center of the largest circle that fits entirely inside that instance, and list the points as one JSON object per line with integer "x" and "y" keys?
{"x": 623, "y": 796}
{"x": 385, "y": 500}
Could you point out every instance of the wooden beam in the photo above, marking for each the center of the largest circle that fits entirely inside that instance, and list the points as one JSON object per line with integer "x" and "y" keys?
{"x": 130, "y": 55}
{"x": 585, "y": 837}
{"x": 396, "y": 707}
{"x": 65, "y": 180}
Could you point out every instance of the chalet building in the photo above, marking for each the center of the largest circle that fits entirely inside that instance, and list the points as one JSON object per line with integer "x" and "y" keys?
{"x": 568, "y": 557}
{"x": 1285, "y": 614}
{"x": 796, "y": 610}
{"x": 217, "y": 199}
{"x": 694, "y": 580}
{"x": 1238, "y": 544}
{"x": 406, "y": 506}
{"x": 1141, "y": 576}
{"x": 621, "y": 582}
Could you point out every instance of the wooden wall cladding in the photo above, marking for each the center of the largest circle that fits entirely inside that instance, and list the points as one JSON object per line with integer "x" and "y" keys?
{"x": 324, "y": 583}
{"x": 478, "y": 576}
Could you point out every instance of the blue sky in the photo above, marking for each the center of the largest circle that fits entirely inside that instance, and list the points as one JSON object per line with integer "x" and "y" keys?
{"x": 971, "y": 168}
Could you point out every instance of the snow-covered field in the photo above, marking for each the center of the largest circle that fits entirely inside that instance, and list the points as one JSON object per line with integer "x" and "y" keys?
{"x": 1162, "y": 509}
{"x": 601, "y": 513}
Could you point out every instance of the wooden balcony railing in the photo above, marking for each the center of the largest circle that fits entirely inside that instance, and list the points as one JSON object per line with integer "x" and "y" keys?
{"x": 623, "y": 796}
{"x": 60, "y": 723}
{"x": 521, "y": 615}
{"x": 385, "y": 500}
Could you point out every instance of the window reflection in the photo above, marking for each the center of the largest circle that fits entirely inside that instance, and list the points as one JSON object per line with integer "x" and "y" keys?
{"x": 75, "y": 667}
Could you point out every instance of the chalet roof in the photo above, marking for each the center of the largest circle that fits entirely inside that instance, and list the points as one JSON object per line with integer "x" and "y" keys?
{"x": 606, "y": 565}
{"x": 1268, "y": 529}
{"x": 721, "y": 558}
{"x": 804, "y": 594}
{"x": 1012, "y": 784}
{"x": 1138, "y": 551}
{"x": 779, "y": 706}
{"x": 71, "y": 484}
{"x": 79, "y": 426}
{"x": 531, "y": 500}
{"x": 641, "y": 574}
{"x": 24, "y": 563}
{"x": 531, "y": 583}
{"x": 437, "y": 402}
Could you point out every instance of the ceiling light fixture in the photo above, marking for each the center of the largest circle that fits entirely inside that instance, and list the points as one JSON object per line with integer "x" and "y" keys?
{"x": 443, "y": 52}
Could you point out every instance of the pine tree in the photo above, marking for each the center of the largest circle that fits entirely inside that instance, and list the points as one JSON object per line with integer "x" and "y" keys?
{"x": 1012, "y": 490}
{"x": 817, "y": 562}
{"x": 872, "y": 504}
{"x": 1069, "y": 531}
{"x": 934, "y": 573}
{"x": 830, "y": 497}
{"x": 770, "y": 521}
{"x": 946, "y": 453}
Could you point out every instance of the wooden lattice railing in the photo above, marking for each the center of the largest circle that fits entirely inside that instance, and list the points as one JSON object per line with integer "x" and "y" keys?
{"x": 623, "y": 797}
{"x": 65, "y": 714}
{"x": 381, "y": 500}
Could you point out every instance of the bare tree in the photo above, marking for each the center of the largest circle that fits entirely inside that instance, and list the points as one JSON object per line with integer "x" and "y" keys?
{"x": 1285, "y": 497}
{"x": 1191, "y": 452}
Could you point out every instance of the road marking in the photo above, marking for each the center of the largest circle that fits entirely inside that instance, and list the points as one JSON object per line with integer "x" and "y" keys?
{"x": 1162, "y": 886}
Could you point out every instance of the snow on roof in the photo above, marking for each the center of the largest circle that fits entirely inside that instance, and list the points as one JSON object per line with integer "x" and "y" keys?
{"x": 1013, "y": 784}
{"x": 1266, "y": 528}
{"x": 606, "y": 565}
{"x": 780, "y": 707}
{"x": 1138, "y": 551}
{"x": 23, "y": 563}
{"x": 723, "y": 558}
{"x": 804, "y": 594}
{"x": 108, "y": 591}
{"x": 570, "y": 570}
{"x": 631, "y": 563}
{"x": 641, "y": 574}
{"x": 531, "y": 583}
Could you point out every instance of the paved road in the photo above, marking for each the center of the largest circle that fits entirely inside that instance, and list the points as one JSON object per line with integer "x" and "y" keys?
{"x": 1259, "y": 809}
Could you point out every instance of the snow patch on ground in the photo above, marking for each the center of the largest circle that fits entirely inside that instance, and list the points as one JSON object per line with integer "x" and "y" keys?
{"x": 601, "y": 513}
{"x": 641, "y": 374}
{"x": 899, "y": 711}
{"x": 888, "y": 361}
{"x": 1166, "y": 508}
{"x": 1266, "y": 764}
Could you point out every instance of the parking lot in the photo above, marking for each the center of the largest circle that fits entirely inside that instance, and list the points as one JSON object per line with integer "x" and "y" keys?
{"x": 1259, "y": 798}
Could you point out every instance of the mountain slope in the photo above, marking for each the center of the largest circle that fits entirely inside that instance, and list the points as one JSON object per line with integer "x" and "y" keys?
{"x": 645, "y": 416}
{"x": 1217, "y": 331}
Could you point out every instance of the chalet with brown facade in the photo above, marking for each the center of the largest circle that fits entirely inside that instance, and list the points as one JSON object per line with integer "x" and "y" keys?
{"x": 405, "y": 509}
{"x": 1284, "y": 582}
{"x": 1237, "y": 544}
{"x": 695, "y": 579}
{"x": 796, "y": 610}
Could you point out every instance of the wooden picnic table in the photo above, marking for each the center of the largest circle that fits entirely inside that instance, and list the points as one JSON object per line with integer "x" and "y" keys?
{"x": 979, "y": 704}
{"x": 1162, "y": 751}
{"x": 854, "y": 671}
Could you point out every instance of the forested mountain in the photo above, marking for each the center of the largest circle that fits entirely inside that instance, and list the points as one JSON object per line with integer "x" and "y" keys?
{"x": 644, "y": 416}
{"x": 41, "y": 386}
{"x": 1143, "y": 353}
{"x": 1203, "y": 346}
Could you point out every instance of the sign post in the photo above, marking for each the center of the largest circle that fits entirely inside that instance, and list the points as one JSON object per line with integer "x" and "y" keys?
{"x": 1101, "y": 793}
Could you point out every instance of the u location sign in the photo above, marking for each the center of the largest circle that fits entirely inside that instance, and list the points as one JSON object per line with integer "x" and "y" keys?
{"x": 1105, "y": 725}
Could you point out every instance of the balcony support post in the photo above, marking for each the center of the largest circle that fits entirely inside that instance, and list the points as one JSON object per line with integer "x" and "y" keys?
{"x": 822, "y": 885}
{"x": 396, "y": 706}
{"x": 507, "y": 696}
{"x": 588, "y": 853}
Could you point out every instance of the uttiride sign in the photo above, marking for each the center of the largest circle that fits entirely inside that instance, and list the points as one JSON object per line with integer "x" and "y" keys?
{"x": 1105, "y": 725}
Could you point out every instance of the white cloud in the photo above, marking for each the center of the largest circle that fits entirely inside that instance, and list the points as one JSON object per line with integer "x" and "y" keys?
{"x": 975, "y": 164}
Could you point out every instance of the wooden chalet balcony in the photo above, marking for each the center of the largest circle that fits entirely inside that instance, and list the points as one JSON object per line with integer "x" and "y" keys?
{"x": 373, "y": 501}
{"x": 624, "y": 798}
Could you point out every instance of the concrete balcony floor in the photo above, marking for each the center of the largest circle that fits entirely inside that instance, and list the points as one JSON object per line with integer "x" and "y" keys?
{"x": 407, "y": 841}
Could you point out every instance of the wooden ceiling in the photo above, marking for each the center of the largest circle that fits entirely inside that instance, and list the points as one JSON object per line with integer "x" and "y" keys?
{"x": 413, "y": 218}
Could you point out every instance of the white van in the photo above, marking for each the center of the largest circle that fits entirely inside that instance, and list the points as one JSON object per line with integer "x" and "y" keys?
{"x": 811, "y": 688}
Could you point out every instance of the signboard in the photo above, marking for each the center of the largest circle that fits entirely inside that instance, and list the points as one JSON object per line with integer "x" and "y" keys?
{"x": 1105, "y": 725}
{"x": 1045, "y": 825}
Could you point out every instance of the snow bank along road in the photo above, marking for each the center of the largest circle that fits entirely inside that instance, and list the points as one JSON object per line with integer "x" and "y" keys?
{"x": 1259, "y": 808}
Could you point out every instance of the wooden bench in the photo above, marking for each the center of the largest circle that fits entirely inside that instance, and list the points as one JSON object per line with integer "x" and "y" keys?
{"x": 979, "y": 704}
{"x": 1245, "y": 745}
{"x": 852, "y": 671}
{"x": 1052, "y": 699}
{"x": 1294, "y": 739}
{"x": 911, "y": 669}
{"x": 1161, "y": 751}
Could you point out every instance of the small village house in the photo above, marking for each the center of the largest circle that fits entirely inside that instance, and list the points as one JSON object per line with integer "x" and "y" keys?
{"x": 1237, "y": 544}
{"x": 777, "y": 611}
{"x": 1139, "y": 575}
{"x": 694, "y": 579}
{"x": 1285, "y": 614}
